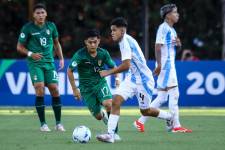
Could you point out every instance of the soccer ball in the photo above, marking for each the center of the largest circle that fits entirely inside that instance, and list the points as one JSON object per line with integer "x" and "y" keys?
{"x": 81, "y": 134}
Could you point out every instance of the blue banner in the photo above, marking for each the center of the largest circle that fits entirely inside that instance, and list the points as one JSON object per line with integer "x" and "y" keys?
{"x": 201, "y": 83}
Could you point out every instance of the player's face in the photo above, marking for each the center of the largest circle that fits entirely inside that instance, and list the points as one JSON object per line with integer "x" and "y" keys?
{"x": 92, "y": 43}
{"x": 116, "y": 33}
{"x": 40, "y": 15}
{"x": 174, "y": 15}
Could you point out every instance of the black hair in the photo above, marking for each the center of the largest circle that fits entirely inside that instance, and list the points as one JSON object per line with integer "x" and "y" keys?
{"x": 39, "y": 6}
{"x": 119, "y": 22}
{"x": 166, "y": 9}
{"x": 92, "y": 33}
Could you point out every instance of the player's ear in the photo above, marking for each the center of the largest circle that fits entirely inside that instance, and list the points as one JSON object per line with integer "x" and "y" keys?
{"x": 123, "y": 30}
{"x": 99, "y": 40}
{"x": 85, "y": 42}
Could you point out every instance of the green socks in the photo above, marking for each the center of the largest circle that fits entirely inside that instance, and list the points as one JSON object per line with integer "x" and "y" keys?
{"x": 56, "y": 106}
{"x": 40, "y": 107}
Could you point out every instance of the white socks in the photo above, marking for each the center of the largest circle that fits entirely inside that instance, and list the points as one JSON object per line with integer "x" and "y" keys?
{"x": 173, "y": 105}
{"x": 112, "y": 123}
{"x": 161, "y": 98}
{"x": 143, "y": 119}
{"x": 164, "y": 115}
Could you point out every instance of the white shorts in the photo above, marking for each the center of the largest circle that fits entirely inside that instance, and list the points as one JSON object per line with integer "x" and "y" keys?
{"x": 167, "y": 78}
{"x": 143, "y": 92}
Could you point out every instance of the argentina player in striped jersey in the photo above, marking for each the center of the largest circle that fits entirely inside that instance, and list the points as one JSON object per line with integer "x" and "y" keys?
{"x": 165, "y": 52}
{"x": 138, "y": 82}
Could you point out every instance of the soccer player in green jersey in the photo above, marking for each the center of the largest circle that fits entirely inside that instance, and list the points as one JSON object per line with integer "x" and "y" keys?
{"x": 93, "y": 88}
{"x": 36, "y": 41}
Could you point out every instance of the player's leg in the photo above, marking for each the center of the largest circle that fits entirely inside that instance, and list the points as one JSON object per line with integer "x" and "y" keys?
{"x": 104, "y": 96}
{"x": 157, "y": 102}
{"x": 125, "y": 90}
{"x": 51, "y": 80}
{"x": 144, "y": 95}
{"x": 173, "y": 106}
{"x": 37, "y": 77}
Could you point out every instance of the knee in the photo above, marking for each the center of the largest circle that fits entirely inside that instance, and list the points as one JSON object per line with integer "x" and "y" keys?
{"x": 144, "y": 112}
{"x": 98, "y": 117}
{"x": 54, "y": 91}
{"x": 39, "y": 89}
{"x": 149, "y": 112}
{"x": 117, "y": 101}
{"x": 108, "y": 105}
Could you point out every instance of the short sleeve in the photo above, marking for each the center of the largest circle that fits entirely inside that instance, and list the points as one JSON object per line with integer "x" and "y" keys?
{"x": 125, "y": 49}
{"x": 161, "y": 35}
{"x": 110, "y": 63}
{"x": 74, "y": 61}
{"x": 24, "y": 33}
{"x": 55, "y": 33}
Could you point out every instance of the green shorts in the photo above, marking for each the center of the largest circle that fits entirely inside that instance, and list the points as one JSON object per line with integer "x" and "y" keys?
{"x": 94, "y": 98}
{"x": 43, "y": 73}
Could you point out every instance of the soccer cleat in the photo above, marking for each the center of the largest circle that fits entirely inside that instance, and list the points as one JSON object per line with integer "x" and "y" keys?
{"x": 105, "y": 138}
{"x": 182, "y": 130}
{"x": 59, "y": 127}
{"x": 44, "y": 128}
{"x": 117, "y": 137}
{"x": 139, "y": 126}
{"x": 169, "y": 125}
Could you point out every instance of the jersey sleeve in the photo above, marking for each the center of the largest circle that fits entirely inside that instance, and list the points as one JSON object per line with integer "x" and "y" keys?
{"x": 74, "y": 61}
{"x": 109, "y": 62}
{"x": 125, "y": 49}
{"x": 24, "y": 33}
{"x": 55, "y": 33}
{"x": 161, "y": 35}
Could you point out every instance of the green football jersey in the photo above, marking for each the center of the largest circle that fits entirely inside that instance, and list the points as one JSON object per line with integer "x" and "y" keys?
{"x": 88, "y": 67}
{"x": 39, "y": 40}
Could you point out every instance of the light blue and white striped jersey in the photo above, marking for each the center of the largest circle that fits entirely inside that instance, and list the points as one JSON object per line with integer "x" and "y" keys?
{"x": 139, "y": 72}
{"x": 166, "y": 35}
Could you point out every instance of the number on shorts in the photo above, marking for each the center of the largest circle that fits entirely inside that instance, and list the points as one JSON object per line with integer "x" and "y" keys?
{"x": 55, "y": 76}
{"x": 142, "y": 96}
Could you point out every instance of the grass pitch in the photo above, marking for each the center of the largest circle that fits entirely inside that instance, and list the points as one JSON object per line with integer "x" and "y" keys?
{"x": 19, "y": 130}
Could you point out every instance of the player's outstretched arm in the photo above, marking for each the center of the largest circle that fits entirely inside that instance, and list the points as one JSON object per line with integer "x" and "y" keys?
{"x": 58, "y": 51}
{"x": 121, "y": 68}
{"x": 76, "y": 92}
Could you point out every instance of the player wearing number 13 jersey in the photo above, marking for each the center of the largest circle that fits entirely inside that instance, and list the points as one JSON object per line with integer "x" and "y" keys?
{"x": 36, "y": 41}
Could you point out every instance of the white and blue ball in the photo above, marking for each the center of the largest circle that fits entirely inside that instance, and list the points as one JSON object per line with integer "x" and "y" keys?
{"x": 81, "y": 134}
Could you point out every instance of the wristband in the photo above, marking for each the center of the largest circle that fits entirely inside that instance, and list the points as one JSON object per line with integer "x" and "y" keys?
{"x": 29, "y": 53}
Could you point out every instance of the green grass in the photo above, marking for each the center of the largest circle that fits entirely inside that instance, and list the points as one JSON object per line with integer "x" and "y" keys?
{"x": 19, "y": 130}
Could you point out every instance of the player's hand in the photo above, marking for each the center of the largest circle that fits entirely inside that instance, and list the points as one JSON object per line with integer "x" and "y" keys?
{"x": 36, "y": 56}
{"x": 104, "y": 73}
{"x": 61, "y": 64}
{"x": 178, "y": 42}
{"x": 76, "y": 94}
{"x": 157, "y": 70}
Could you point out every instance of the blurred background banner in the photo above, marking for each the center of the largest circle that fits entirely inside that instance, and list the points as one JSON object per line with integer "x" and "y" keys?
{"x": 201, "y": 83}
